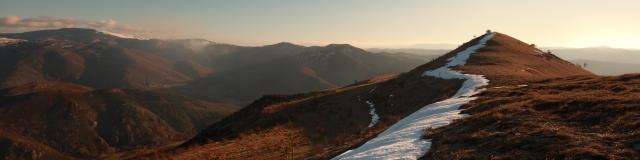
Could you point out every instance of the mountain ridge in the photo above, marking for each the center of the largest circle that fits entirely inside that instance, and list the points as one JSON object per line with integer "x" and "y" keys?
{"x": 104, "y": 61}
{"x": 393, "y": 98}
{"x": 94, "y": 95}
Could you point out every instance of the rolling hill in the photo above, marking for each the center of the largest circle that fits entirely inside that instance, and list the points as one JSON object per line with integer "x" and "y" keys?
{"x": 81, "y": 122}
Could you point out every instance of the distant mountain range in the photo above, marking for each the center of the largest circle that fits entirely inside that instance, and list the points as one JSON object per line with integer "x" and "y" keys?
{"x": 82, "y": 93}
{"x": 303, "y": 69}
{"x": 426, "y": 52}
{"x": 604, "y": 60}
{"x": 200, "y": 68}
{"x": 608, "y": 68}
{"x": 606, "y": 54}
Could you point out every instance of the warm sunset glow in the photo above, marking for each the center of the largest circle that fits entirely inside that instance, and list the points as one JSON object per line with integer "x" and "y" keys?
{"x": 363, "y": 23}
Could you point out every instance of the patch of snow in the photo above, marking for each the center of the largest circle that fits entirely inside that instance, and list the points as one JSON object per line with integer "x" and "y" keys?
{"x": 403, "y": 139}
{"x": 523, "y": 85}
{"x": 5, "y": 41}
{"x": 372, "y": 111}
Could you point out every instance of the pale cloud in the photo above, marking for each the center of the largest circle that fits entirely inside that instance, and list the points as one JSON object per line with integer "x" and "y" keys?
{"x": 15, "y": 23}
{"x": 10, "y": 20}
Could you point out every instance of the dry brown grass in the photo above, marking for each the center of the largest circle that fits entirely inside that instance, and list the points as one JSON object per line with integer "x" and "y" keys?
{"x": 255, "y": 145}
{"x": 581, "y": 117}
{"x": 14, "y": 146}
{"x": 506, "y": 60}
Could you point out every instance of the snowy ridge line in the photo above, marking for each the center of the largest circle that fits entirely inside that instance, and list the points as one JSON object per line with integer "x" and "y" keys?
{"x": 372, "y": 111}
{"x": 403, "y": 139}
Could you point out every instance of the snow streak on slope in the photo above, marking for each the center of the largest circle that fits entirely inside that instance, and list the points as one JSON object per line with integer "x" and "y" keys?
{"x": 403, "y": 139}
{"x": 372, "y": 112}
{"x": 4, "y": 41}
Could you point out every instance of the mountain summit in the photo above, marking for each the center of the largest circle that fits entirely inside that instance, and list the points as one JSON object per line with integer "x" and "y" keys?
{"x": 328, "y": 123}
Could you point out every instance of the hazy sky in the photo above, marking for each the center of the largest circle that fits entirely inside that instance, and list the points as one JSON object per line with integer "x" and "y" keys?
{"x": 363, "y": 23}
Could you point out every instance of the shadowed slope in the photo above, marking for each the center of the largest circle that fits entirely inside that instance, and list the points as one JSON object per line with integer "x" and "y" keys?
{"x": 313, "y": 68}
{"x": 85, "y": 123}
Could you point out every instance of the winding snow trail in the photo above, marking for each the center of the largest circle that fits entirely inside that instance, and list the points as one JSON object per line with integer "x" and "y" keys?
{"x": 403, "y": 139}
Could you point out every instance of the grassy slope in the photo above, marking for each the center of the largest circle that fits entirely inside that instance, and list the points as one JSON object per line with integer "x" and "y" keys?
{"x": 565, "y": 118}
